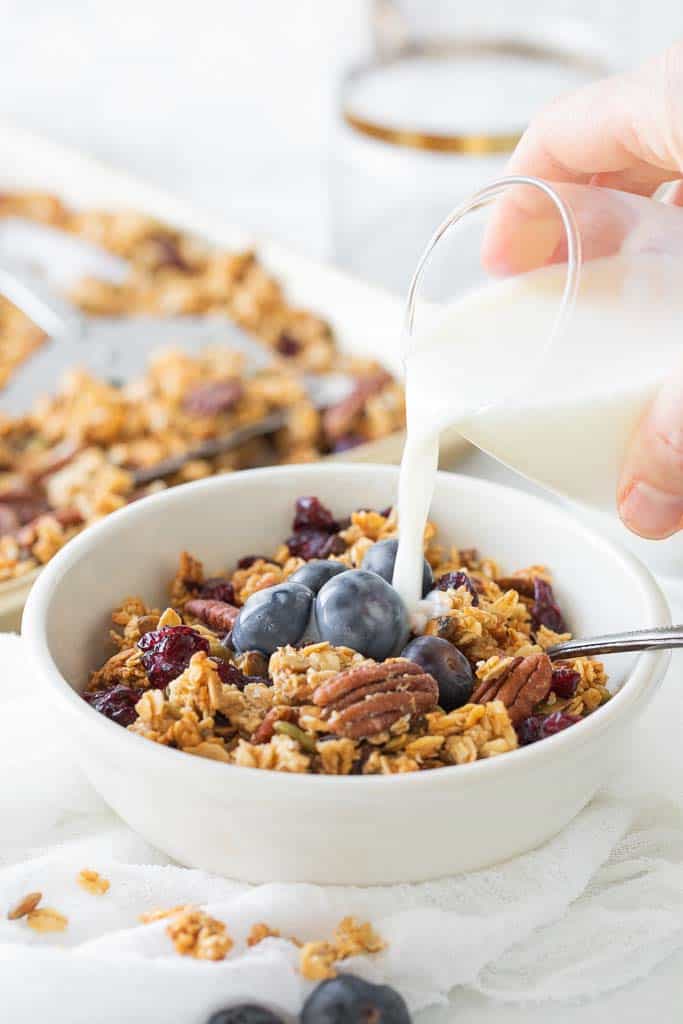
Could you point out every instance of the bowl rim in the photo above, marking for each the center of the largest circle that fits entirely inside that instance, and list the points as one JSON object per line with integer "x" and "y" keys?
{"x": 645, "y": 675}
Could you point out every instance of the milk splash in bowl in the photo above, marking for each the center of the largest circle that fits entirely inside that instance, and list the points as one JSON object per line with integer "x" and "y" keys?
{"x": 548, "y": 369}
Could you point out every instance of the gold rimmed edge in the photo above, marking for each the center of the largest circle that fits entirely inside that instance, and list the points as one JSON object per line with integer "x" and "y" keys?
{"x": 467, "y": 144}
{"x": 472, "y": 145}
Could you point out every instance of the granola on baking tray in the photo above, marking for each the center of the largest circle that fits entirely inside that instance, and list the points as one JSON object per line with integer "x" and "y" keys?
{"x": 71, "y": 459}
{"x": 248, "y": 667}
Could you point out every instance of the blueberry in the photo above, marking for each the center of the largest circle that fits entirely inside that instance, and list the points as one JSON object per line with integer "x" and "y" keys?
{"x": 272, "y": 618}
{"x": 316, "y": 573}
{"x": 447, "y": 664}
{"x": 361, "y": 610}
{"x": 381, "y": 557}
{"x": 350, "y": 1000}
{"x": 244, "y": 1013}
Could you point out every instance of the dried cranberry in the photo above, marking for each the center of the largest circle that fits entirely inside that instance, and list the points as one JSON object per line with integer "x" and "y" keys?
{"x": 117, "y": 703}
{"x": 218, "y": 588}
{"x": 538, "y": 727}
{"x": 558, "y": 721}
{"x": 565, "y": 681}
{"x": 310, "y": 513}
{"x": 309, "y": 544}
{"x": 231, "y": 674}
{"x": 287, "y": 345}
{"x": 347, "y": 441}
{"x": 167, "y": 652}
{"x": 248, "y": 561}
{"x": 453, "y": 580}
{"x": 546, "y": 611}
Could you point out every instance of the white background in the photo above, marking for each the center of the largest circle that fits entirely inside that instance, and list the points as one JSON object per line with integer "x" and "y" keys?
{"x": 230, "y": 103}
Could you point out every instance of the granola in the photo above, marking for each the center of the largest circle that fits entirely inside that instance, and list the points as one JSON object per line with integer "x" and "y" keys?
{"x": 46, "y": 919}
{"x": 92, "y": 882}
{"x": 72, "y": 458}
{"x": 318, "y": 960}
{"x": 178, "y": 677}
{"x": 197, "y": 934}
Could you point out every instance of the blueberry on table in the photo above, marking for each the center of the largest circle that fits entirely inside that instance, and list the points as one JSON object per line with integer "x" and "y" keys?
{"x": 381, "y": 558}
{"x": 347, "y": 999}
{"x": 447, "y": 664}
{"x": 359, "y": 609}
{"x": 315, "y": 574}
{"x": 272, "y": 618}
{"x": 244, "y": 1013}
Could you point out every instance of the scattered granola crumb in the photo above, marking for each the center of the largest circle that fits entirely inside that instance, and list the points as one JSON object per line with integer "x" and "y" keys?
{"x": 47, "y": 919}
{"x": 92, "y": 882}
{"x": 195, "y": 933}
{"x": 316, "y": 961}
{"x": 159, "y": 913}
{"x": 261, "y": 931}
{"x": 24, "y": 906}
{"x": 351, "y": 938}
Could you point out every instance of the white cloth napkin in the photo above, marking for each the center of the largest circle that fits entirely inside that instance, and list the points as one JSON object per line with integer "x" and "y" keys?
{"x": 596, "y": 907}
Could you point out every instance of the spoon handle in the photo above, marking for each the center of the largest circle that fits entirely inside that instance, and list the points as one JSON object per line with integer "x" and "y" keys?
{"x": 656, "y": 639}
{"x": 211, "y": 448}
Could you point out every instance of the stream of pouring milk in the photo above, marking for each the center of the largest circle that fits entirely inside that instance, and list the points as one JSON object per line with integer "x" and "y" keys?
{"x": 563, "y": 418}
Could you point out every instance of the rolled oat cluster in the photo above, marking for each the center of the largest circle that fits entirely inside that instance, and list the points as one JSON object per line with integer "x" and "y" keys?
{"x": 177, "y": 678}
{"x": 73, "y": 458}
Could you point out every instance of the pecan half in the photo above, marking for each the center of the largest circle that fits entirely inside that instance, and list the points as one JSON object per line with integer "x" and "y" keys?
{"x": 525, "y": 683}
{"x": 68, "y": 516}
{"x": 266, "y": 730}
{"x": 218, "y": 615}
{"x": 362, "y": 701}
{"x": 339, "y": 418}
{"x": 212, "y": 398}
{"x": 524, "y": 585}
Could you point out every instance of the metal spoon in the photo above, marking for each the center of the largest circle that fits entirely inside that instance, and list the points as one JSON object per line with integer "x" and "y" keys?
{"x": 659, "y": 638}
{"x": 118, "y": 348}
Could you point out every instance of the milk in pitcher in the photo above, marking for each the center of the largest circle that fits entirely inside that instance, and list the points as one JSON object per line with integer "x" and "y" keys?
{"x": 559, "y": 413}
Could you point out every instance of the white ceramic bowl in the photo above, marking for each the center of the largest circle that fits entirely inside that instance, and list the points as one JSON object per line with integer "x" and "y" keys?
{"x": 268, "y": 826}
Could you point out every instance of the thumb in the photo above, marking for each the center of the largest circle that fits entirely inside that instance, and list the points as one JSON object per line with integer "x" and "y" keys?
{"x": 650, "y": 494}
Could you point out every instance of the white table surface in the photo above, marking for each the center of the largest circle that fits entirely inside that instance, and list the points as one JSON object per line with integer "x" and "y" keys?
{"x": 175, "y": 93}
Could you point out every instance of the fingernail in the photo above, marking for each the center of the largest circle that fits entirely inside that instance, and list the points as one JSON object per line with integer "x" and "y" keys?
{"x": 650, "y": 512}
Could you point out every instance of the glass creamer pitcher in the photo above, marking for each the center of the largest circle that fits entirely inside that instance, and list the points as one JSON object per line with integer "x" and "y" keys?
{"x": 541, "y": 321}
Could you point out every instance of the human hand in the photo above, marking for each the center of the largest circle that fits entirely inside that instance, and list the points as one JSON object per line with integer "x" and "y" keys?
{"x": 626, "y": 133}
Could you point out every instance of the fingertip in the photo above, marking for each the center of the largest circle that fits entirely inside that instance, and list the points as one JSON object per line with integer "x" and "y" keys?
{"x": 648, "y": 511}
